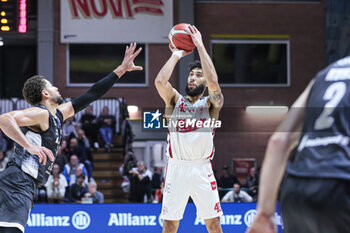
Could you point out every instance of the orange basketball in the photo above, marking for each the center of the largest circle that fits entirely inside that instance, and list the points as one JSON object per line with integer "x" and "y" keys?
{"x": 180, "y": 39}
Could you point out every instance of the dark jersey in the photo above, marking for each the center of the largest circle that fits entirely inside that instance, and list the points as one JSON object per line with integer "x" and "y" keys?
{"x": 323, "y": 150}
{"x": 50, "y": 139}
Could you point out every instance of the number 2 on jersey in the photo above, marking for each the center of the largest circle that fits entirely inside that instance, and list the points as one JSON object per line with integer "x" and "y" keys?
{"x": 333, "y": 94}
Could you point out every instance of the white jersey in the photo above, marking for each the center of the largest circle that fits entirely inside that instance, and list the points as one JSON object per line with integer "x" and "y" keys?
{"x": 189, "y": 137}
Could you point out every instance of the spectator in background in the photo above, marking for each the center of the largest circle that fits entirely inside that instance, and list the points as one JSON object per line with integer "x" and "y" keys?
{"x": 81, "y": 152}
{"x": 56, "y": 185}
{"x": 140, "y": 183}
{"x": 226, "y": 181}
{"x": 3, "y": 160}
{"x": 77, "y": 149}
{"x": 68, "y": 129}
{"x": 157, "y": 178}
{"x": 89, "y": 125}
{"x": 237, "y": 195}
{"x": 61, "y": 159}
{"x": 78, "y": 190}
{"x": 106, "y": 123}
{"x": 79, "y": 171}
{"x": 97, "y": 197}
{"x": 130, "y": 162}
{"x": 64, "y": 148}
{"x": 158, "y": 195}
{"x": 70, "y": 169}
{"x": 253, "y": 183}
{"x": 84, "y": 141}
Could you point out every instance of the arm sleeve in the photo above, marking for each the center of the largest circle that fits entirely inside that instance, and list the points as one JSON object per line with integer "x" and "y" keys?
{"x": 95, "y": 91}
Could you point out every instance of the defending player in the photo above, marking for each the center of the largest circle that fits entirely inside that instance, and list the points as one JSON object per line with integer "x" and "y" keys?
{"x": 315, "y": 196}
{"x": 37, "y": 134}
{"x": 189, "y": 171}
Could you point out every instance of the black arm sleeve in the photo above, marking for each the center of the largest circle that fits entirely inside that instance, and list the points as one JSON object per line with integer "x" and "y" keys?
{"x": 95, "y": 91}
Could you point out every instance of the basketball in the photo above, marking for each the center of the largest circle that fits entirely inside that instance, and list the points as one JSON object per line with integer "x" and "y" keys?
{"x": 180, "y": 39}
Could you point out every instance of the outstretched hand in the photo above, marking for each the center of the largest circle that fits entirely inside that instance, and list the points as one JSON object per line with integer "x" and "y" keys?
{"x": 128, "y": 61}
{"x": 42, "y": 153}
{"x": 195, "y": 35}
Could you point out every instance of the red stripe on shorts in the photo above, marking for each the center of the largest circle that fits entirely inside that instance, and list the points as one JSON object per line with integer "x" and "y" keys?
{"x": 171, "y": 154}
{"x": 166, "y": 171}
{"x": 212, "y": 153}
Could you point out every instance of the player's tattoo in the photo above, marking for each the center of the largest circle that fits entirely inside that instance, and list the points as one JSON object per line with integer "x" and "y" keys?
{"x": 216, "y": 96}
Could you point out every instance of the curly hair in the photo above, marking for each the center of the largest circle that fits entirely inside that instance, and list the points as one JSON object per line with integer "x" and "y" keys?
{"x": 32, "y": 89}
{"x": 195, "y": 64}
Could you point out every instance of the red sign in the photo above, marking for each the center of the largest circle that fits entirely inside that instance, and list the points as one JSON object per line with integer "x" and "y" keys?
{"x": 99, "y": 8}
{"x": 242, "y": 167}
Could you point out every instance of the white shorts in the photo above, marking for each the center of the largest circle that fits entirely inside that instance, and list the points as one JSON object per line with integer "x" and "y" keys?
{"x": 193, "y": 179}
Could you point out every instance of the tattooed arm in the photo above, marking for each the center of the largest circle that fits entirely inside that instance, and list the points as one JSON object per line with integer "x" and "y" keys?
{"x": 216, "y": 98}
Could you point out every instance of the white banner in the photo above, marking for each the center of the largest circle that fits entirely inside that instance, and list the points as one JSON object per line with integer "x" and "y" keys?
{"x": 116, "y": 21}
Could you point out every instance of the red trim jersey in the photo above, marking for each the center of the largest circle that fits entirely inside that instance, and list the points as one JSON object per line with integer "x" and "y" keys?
{"x": 191, "y": 131}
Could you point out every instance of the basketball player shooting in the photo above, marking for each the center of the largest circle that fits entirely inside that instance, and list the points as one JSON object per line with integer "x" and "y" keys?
{"x": 37, "y": 134}
{"x": 190, "y": 150}
{"x": 315, "y": 194}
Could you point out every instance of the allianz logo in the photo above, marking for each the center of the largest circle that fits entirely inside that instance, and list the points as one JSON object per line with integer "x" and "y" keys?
{"x": 238, "y": 219}
{"x": 80, "y": 220}
{"x": 224, "y": 220}
{"x": 129, "y": 219}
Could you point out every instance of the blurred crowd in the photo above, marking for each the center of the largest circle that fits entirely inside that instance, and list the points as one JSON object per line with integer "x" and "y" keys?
{"x": 146, "y": 186}
{"x": 232, "y": 189}
{"x": 142, "y": 184}
{"x": 71, "y": 179}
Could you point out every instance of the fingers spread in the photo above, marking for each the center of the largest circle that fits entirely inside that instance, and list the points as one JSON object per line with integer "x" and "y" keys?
{"x": 138, "y": 68}
{"x": 137, "y": 53}
{"x": 132, "y": 48}
{"x": 126, "y": 50}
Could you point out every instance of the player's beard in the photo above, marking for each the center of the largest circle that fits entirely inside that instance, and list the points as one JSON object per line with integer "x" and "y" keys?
{"x": 58, "y": 99}
{"x": 196, "y": 91}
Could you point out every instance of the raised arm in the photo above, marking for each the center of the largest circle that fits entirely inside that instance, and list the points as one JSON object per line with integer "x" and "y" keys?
{"x": 277, "y": 153}
{"x": 32, "y": 117}
{"x": 102, "y": 86}
{"x": 164, "y": 88}
{"x": 209, "y": 72}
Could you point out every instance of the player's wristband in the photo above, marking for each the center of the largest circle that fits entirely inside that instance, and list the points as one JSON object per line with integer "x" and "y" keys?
{"x": 178, "y": 53}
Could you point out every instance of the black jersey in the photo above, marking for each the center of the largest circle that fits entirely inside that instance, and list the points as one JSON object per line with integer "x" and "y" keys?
{"x": 323, "y": 150}
{"x": 50, "y": 139}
